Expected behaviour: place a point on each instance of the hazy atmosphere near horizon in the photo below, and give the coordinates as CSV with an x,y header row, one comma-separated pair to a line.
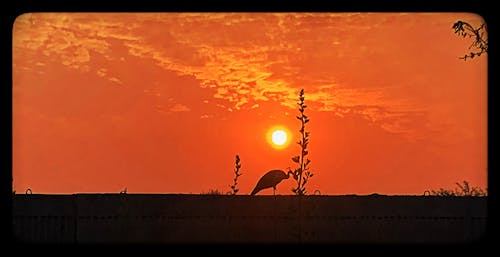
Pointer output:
x,y
163,102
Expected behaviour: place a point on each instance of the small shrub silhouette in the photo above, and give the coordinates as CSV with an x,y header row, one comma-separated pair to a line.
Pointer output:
x,y
462,190
302,174
234,189
213,192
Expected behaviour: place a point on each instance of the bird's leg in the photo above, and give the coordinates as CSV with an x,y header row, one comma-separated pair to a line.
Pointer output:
x,y
274,190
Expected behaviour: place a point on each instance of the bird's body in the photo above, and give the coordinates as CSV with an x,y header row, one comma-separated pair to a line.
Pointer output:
x,y
270,179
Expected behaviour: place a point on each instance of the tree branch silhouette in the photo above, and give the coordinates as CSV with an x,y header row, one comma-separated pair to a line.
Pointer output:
x,y
480,35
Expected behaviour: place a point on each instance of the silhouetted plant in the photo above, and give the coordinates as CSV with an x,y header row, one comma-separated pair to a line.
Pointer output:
x,y
236,175
462,190
213,192
302,173
480,35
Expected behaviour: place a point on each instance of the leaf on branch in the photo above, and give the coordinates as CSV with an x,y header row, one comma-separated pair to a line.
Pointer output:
x,y
296,159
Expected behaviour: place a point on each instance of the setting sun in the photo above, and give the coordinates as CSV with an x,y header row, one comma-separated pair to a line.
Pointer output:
x,y
279,137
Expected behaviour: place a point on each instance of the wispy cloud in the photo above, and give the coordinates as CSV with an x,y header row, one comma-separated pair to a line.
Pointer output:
x,y
101,72
115,80
246,59
179,108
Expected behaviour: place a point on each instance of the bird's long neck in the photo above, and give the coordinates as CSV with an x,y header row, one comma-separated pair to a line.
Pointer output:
x,y
288,173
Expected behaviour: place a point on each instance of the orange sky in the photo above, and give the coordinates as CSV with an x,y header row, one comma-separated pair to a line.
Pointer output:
x,y
162,102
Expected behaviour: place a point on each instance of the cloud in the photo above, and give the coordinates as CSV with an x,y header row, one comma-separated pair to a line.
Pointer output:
x,y
70,37
101,72
246,59
239,72
179,108
115,80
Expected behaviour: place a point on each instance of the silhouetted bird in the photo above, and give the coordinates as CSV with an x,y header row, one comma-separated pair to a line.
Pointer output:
x,y
271,179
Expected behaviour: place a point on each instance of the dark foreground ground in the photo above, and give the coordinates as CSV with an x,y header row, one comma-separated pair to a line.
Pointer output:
x,y
169,218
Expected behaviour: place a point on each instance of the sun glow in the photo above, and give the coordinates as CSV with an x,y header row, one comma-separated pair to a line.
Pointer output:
x,y
278,137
